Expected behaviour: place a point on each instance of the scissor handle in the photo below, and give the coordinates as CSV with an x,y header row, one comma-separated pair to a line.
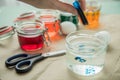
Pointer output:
x,y
15,59
26,65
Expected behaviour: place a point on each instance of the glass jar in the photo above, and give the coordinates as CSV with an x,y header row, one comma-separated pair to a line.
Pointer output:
x,y
51,20
92,13
6,32
64,16
31,35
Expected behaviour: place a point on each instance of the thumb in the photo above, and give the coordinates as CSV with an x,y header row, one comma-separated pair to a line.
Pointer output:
x,y
65,7
83,4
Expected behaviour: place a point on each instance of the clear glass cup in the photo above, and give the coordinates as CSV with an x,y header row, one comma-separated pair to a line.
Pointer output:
x,y
31,36
92,13
85,53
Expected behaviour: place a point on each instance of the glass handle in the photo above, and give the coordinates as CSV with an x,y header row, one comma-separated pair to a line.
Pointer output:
x,y
104,35
46,42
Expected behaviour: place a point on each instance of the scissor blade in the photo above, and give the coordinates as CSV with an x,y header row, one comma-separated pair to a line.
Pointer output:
x,y
55,53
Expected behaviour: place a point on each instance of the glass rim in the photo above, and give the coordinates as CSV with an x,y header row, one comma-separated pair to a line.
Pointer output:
x,y
6,29
36,30
47,19
52,12
85,35
93,3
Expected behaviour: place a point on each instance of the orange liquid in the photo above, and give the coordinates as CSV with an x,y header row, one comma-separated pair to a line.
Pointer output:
x,y
53,28
92,15
51,24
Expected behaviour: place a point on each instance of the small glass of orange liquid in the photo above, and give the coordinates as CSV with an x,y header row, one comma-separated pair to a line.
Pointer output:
x,y
92,14
50,19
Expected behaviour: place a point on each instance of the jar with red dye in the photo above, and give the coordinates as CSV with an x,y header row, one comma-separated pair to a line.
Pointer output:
x,y
31,36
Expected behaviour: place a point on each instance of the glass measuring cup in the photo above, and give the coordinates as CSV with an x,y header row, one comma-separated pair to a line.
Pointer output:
x,y
85,52
31,35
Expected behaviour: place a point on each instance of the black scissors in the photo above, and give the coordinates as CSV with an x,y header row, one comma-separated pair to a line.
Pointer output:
x,y
24,62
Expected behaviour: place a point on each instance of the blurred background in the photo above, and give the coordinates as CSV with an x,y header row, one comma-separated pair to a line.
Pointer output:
x,y
10,9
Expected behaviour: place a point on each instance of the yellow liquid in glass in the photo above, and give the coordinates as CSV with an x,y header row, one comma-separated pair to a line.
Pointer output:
x,y
92,14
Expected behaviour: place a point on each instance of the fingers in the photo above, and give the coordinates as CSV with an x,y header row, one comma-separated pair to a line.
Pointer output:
x,y
69,8
83,4
54,4
65,7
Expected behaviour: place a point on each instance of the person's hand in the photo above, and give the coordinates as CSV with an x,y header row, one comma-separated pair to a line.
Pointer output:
x,y
54,4
67,7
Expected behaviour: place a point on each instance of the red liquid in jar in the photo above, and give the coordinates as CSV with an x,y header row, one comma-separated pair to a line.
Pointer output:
x,y
31,43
